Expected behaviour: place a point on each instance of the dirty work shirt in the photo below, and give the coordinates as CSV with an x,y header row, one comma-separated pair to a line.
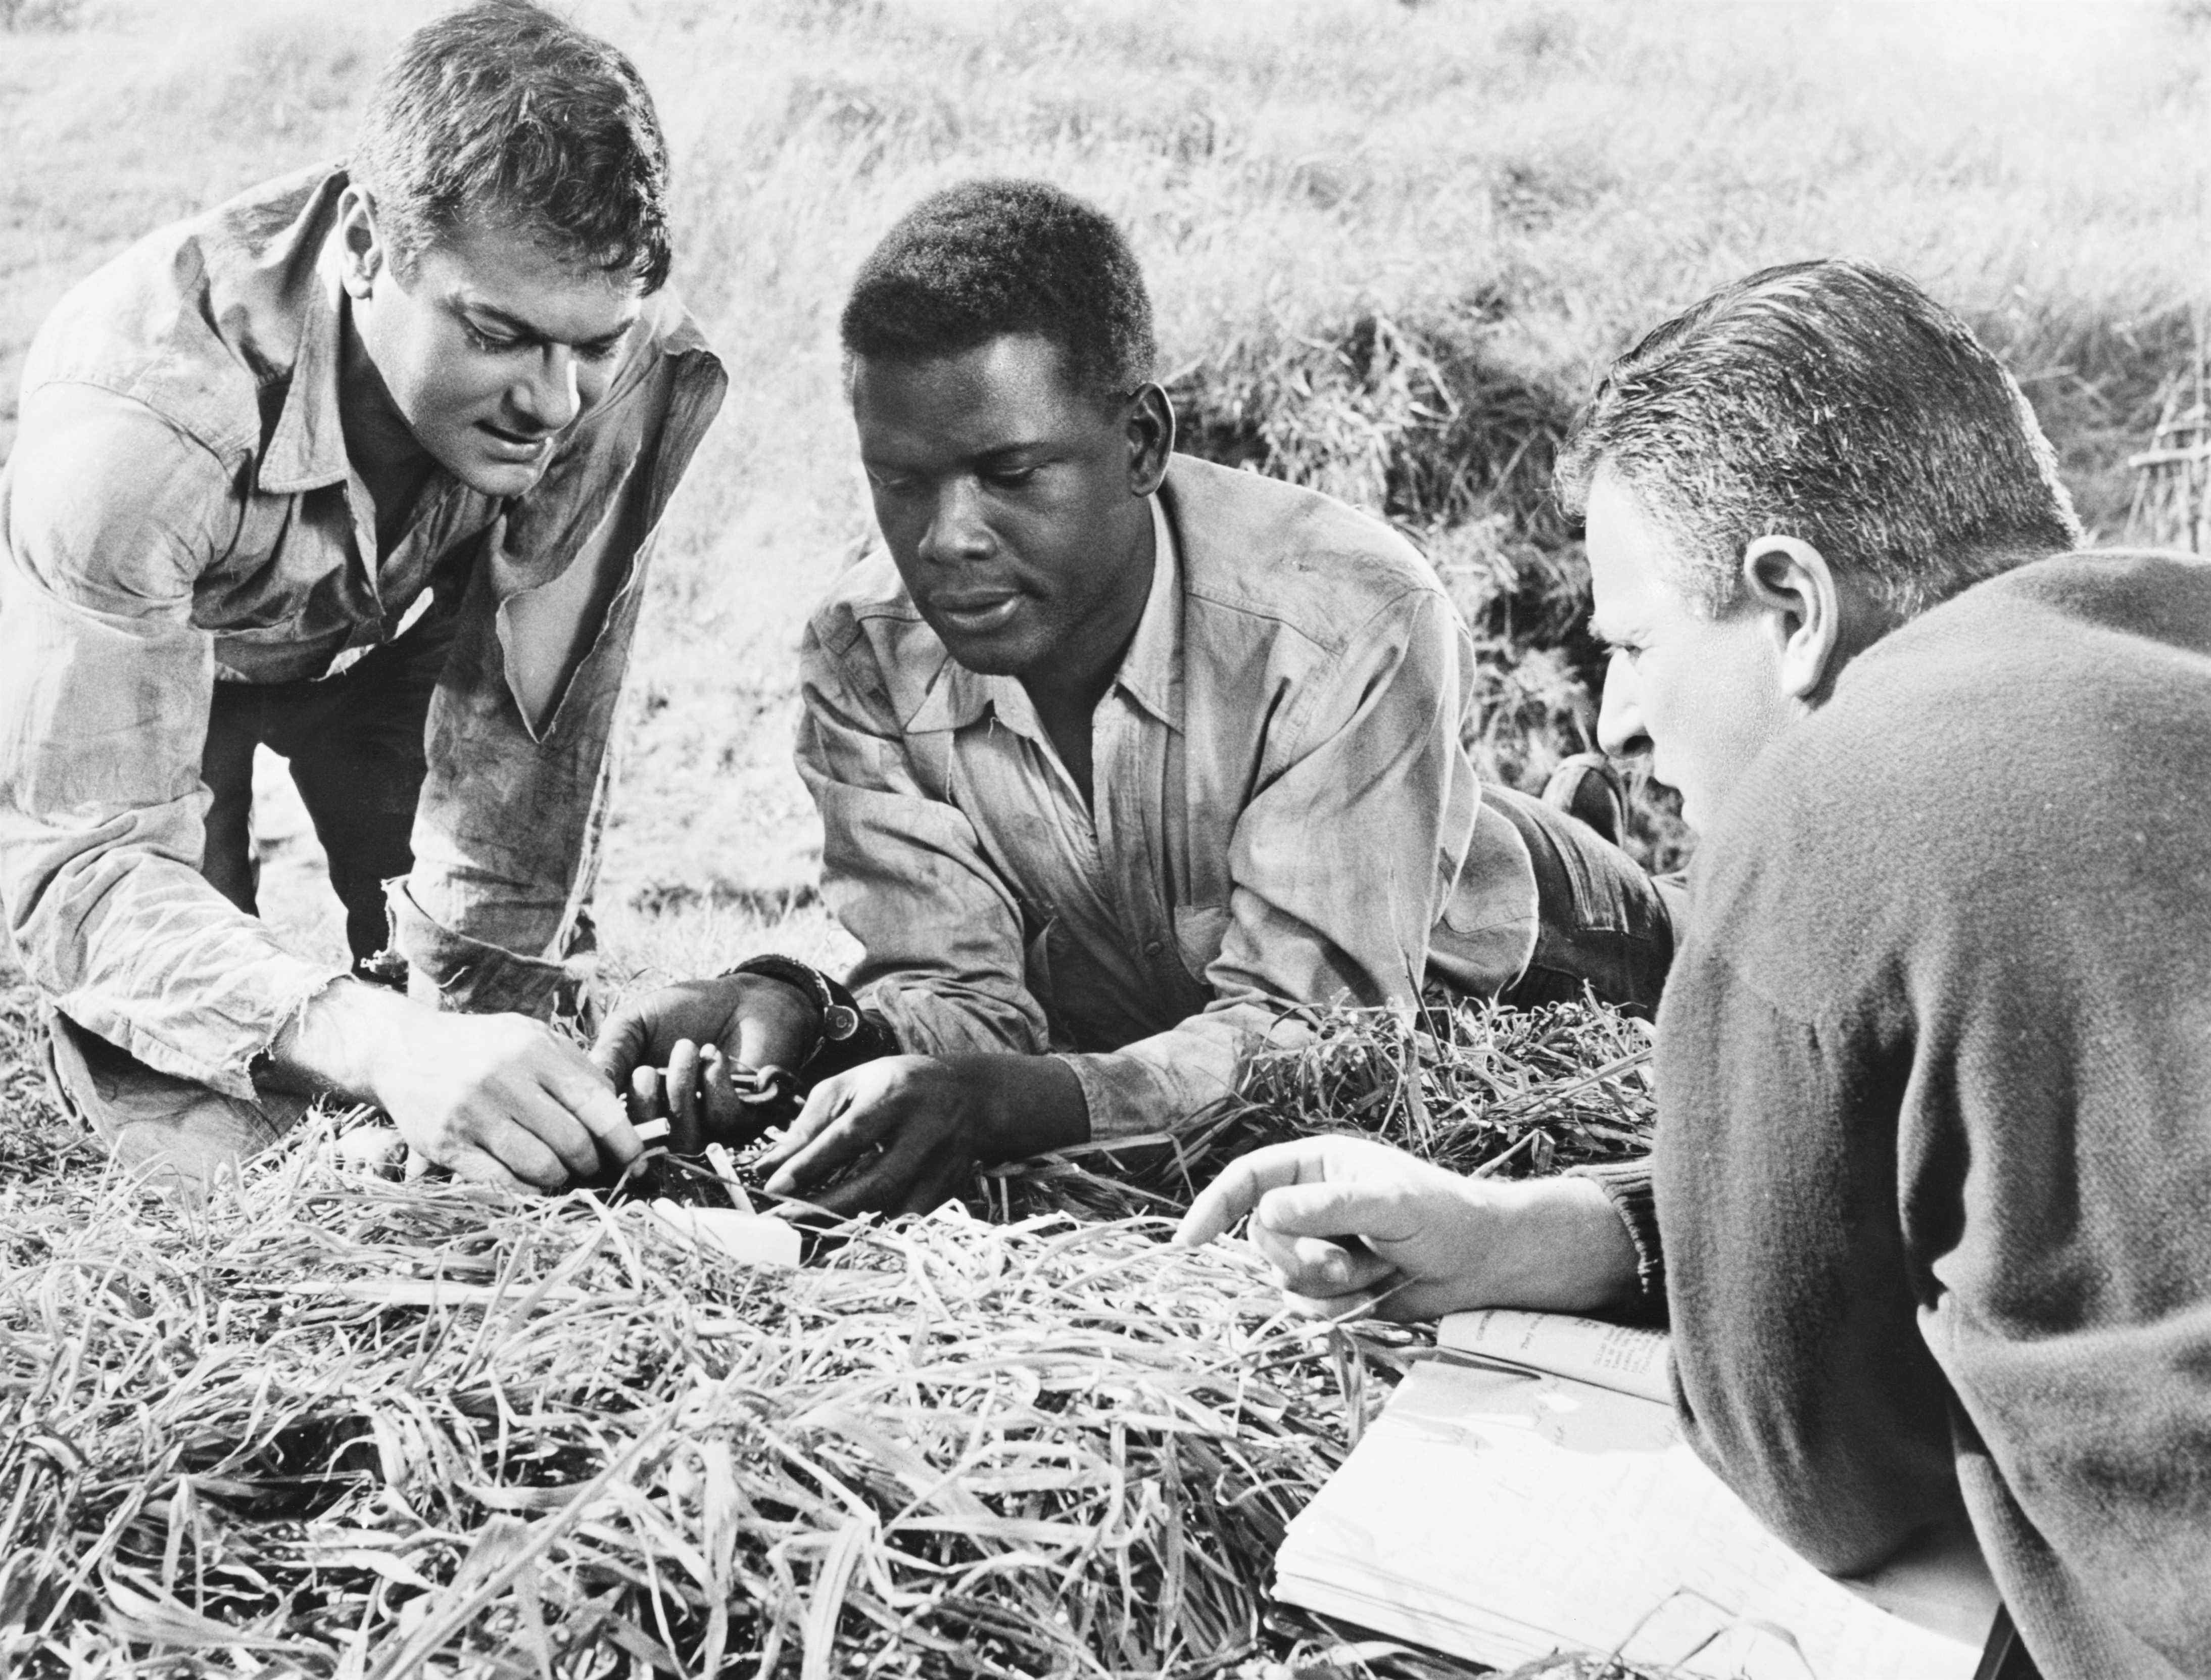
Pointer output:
x,y
1285,809
1933,1167
179,511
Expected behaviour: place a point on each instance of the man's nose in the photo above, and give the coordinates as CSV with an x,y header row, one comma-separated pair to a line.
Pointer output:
x,y
1619,729
958,531
553,395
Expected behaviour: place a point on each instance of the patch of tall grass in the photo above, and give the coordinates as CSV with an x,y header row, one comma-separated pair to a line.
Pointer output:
x,y
1390,244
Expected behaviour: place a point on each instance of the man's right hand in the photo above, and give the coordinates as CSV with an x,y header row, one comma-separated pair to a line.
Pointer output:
x,y
755,1021
503,1098
1349,1223
500,1098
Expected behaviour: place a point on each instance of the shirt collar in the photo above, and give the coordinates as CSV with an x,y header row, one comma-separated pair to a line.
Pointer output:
x,y
307,449
1150,673
1151,670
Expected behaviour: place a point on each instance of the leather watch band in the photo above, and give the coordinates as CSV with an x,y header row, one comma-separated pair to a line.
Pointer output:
x,y
839,1012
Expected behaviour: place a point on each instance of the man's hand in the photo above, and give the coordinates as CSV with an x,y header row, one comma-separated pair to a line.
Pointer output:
x,y
1346,1221
504,1099
752,1021
935,1122
500,1098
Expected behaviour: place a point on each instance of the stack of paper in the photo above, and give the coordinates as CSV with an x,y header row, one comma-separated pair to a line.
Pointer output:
x,y
1504,1513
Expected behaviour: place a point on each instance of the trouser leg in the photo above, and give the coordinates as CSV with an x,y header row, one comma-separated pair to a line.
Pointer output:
x,y
1602,922
227,859
354,744
360,790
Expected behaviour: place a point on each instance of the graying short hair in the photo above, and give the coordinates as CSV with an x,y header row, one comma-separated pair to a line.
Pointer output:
x,y
1836,402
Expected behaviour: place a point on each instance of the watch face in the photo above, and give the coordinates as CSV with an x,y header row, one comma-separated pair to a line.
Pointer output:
x,y
838,1022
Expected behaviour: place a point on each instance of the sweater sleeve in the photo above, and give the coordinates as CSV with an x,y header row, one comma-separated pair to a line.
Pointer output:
x,y
1626,1185
1800,1373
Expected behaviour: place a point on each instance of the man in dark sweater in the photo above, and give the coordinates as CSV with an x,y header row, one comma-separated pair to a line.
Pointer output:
x,y
1927,1203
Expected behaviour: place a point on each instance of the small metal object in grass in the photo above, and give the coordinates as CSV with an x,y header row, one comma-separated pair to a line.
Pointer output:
x,y
700,1098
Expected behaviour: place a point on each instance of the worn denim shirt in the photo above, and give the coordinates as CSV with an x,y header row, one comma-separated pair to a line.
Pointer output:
x,y
1285,809
179,511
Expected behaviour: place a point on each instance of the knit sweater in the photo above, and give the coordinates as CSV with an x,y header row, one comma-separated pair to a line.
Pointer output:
x,y
1933,1169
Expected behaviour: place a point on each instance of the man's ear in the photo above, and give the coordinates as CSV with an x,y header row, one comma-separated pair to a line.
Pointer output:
x,y
1151,438
1790,580
362,253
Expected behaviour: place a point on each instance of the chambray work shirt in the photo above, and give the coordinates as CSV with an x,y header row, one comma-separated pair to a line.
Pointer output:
x,y
179,511
1285,809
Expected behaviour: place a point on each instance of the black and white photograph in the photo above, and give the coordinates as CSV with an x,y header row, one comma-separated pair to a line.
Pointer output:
x,y
956,840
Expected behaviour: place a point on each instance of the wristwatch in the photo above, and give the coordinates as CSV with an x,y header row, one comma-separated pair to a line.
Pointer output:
x,y
841,1011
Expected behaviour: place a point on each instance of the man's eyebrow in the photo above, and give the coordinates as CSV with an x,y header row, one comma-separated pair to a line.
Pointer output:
x,y
529,330
1017,447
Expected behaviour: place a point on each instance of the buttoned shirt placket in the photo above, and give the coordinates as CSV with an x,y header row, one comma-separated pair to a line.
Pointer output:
x,y
1109,893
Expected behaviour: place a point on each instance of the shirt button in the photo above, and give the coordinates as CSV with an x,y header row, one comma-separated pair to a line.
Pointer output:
x,y
1153,948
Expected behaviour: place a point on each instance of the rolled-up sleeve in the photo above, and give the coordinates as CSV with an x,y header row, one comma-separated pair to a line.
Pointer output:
x,y
904,872
1339,865
108,516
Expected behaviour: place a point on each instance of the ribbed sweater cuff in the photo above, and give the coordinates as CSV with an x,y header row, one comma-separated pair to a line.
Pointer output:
x,y
1626,1186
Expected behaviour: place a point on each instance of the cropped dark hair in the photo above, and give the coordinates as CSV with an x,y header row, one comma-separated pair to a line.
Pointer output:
x,y
502,115
1835,403
988,258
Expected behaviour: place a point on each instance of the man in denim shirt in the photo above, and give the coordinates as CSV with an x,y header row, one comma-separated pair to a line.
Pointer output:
x,y
362,465
1123,759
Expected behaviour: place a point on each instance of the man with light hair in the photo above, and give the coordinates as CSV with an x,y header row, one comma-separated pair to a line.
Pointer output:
x,y
1926,1207
361,466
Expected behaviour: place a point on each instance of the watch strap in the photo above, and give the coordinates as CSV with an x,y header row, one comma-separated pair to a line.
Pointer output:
x,y
838,1020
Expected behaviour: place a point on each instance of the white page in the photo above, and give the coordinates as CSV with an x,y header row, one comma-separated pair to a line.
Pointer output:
x,y
1501,1516
1616,1356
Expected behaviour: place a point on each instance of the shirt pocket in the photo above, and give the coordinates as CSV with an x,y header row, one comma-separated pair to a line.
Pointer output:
x,y
1199,930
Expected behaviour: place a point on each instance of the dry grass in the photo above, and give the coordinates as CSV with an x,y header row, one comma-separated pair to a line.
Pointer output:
x,y
1470,1086
2173,491
363,1428
328,1425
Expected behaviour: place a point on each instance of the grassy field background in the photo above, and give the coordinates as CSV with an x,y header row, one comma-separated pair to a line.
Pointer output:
x,y
1389,245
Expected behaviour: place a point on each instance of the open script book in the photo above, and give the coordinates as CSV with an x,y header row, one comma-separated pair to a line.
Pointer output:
x,y
1530,1493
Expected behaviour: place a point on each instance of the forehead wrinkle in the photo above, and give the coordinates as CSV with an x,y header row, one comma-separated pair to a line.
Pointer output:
x,y
934,448
968,424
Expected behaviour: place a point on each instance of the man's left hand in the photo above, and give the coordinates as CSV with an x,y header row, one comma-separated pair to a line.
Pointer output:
x,y
935,1122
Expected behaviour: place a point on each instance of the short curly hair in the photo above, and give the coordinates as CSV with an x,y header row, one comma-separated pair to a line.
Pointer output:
x,y
1837,403
989,257
502,115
